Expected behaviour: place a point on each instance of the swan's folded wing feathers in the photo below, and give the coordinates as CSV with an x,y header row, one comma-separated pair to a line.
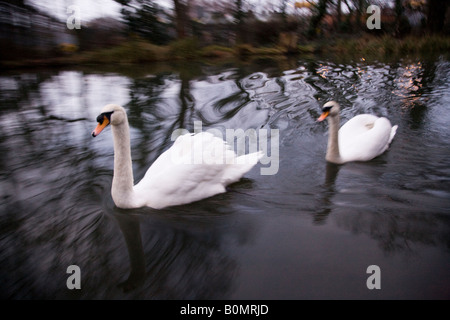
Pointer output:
x,y
366,144
393,132
357,125
183,183
210,166
240,166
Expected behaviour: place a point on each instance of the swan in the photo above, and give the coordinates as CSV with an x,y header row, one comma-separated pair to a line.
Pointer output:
x,y
195,167
362,138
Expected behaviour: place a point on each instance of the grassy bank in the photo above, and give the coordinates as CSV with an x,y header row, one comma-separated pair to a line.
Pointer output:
x,y
387,46
132,52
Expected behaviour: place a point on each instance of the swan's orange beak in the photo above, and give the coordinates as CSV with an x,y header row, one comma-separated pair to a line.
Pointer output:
x,y
100,126
323,115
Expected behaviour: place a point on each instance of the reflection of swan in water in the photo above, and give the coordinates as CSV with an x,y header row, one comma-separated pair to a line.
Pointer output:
x,y
131,230
328,192
362,138
173,259
195,167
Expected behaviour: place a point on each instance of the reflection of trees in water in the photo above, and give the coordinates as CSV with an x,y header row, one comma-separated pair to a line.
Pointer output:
x,y
18,88
385,89
49,213
51,219
52,183
50,190
397,219
399,232
388,89
244,97
411,83
348,81
156,110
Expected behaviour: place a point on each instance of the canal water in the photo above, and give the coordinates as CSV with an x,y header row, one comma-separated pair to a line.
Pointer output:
x,y
307,230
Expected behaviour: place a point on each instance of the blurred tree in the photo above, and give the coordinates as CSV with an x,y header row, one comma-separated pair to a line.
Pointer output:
x,y
239,16
180,17
100,33
319,10
350,15
339,14
283,7
436,15
147,19
19,3
402,25
360,10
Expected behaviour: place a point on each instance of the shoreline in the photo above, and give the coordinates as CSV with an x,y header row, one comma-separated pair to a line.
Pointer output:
x,y
136,51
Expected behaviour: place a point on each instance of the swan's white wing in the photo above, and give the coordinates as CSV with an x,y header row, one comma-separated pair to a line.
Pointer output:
x,y
195,167
357,125
364,137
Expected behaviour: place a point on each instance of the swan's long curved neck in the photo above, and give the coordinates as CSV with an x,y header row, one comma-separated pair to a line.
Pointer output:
x,y
122,184
333,154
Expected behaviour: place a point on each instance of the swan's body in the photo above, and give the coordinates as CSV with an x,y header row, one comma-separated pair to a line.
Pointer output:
x,y
362,138
195,167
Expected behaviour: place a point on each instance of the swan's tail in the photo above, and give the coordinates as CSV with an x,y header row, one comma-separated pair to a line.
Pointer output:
x,y
393,131
249,159
241,166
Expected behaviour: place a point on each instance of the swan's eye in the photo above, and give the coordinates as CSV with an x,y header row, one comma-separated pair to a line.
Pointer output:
x,y
326,109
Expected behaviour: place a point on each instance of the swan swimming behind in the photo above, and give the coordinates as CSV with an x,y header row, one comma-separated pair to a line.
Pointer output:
x,y
362,138
195,167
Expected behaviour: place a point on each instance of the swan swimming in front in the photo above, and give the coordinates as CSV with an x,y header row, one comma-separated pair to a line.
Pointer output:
x,y
173,179
362,138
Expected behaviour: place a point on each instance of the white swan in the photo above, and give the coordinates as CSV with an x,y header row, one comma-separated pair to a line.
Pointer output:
x,y
362,138
195,167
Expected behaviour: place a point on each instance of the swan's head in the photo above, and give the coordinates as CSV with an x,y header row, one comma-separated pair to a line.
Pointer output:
x,y
331,108
111,114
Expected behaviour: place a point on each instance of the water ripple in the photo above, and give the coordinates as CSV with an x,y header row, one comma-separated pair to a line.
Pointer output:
x,y
55,180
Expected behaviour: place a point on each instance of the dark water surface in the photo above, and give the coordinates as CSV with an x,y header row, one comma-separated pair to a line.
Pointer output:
x,y
310,231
